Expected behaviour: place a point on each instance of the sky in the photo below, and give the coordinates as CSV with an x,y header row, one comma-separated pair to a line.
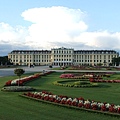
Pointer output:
x,y
47,24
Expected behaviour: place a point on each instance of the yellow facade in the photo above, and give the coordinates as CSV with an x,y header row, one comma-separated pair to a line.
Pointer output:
x,y
62,57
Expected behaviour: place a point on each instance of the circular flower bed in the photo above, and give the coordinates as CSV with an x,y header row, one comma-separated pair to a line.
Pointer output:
x,y
17,88
75,83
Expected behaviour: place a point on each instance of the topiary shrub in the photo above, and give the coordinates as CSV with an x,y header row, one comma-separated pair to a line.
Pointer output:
x,y
17,88
77,84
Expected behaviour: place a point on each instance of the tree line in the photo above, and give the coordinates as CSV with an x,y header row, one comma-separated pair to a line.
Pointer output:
x,y
116,61
5,61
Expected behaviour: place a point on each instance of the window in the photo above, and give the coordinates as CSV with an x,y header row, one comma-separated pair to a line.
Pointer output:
x,y
90,56
104,56
97,56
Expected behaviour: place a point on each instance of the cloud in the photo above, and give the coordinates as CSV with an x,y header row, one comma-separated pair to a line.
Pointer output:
x,y
12,34
53,27
54,24
100,39
11,38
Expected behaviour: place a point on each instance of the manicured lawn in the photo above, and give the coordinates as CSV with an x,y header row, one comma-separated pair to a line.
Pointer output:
x,y
14,107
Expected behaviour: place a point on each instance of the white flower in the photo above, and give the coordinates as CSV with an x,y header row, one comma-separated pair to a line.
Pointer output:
x,y
55,96
45,95
107,105
86,102
50,96
69,99
94,103
75,100
100,104
80,101
64,99
42,94
58,98
39,93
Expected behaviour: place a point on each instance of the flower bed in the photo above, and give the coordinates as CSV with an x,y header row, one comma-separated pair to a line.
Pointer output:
x,y
17,88
21,81
91,77
105,81
87,75
74,76
75,83
67,76
77,103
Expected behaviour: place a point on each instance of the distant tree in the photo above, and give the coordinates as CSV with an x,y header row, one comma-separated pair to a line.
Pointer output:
x,y
110,64
19,72
116,61
5,61
99,64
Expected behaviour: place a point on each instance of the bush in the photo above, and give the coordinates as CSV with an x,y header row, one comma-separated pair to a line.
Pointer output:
x,y
76,84
17,88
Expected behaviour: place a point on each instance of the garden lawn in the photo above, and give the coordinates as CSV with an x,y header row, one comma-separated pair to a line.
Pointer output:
x,y
14,107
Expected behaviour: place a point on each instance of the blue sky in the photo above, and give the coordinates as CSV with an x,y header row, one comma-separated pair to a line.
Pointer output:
x,y
46,24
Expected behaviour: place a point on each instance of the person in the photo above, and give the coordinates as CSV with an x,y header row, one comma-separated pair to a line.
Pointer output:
x,y
33,65
43,71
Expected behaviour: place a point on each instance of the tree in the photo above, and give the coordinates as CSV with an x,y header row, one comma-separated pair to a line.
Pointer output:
x,y
116,61
19,72
5,61
99,64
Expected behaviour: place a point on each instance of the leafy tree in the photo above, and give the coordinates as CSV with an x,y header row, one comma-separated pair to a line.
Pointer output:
x,y
99,64
110,64
116,61
19,72
5,61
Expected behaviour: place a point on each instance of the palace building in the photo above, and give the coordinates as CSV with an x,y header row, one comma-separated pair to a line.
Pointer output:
x,y
62,56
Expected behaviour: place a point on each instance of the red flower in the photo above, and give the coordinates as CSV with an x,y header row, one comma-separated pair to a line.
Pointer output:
x,y
87,105
112,109
103,108
80,104
118,110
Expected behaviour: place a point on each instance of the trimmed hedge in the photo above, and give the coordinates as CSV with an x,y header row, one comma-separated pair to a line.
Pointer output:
x,y
17,88
75,83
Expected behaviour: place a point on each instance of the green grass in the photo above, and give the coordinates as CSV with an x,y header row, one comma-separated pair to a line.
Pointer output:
x,y
14,107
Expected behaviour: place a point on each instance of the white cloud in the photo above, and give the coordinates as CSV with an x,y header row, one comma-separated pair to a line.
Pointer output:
x,y
54,24
100,39
11,34
56,27
11,38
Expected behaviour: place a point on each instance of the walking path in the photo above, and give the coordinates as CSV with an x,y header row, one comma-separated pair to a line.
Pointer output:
x,y
10,71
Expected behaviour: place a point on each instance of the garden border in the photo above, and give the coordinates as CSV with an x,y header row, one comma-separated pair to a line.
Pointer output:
x,y
75,86
72,107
